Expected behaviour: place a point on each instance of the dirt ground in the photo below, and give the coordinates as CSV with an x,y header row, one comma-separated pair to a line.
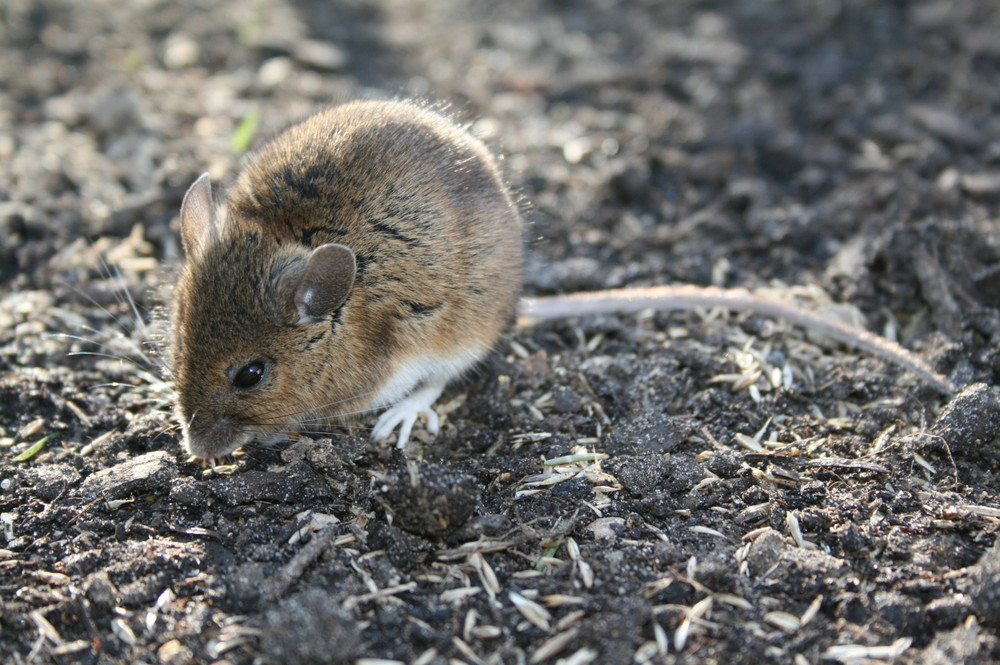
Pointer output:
x,y
661,488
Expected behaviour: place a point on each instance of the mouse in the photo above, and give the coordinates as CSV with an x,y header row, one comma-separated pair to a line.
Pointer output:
x,y
362,260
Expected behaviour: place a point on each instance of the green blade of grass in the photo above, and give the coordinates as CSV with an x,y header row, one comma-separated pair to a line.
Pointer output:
x,y
245,131
33,450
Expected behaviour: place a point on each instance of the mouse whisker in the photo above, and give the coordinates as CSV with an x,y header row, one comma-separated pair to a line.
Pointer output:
x,y
315,411
337,418
279,414
119,334
121,327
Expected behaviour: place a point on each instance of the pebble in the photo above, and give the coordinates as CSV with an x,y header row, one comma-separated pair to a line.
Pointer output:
x,y
765,551
684,472
970,421
48,481
605,528
964,644
320,55
946,124
981,183
985,589
297,483
145,473
274,71
180,51
100,590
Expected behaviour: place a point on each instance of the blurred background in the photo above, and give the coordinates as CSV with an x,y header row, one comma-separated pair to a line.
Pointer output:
x,y
704,141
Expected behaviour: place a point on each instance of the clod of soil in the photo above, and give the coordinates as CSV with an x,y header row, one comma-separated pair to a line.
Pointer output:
x,y
428,499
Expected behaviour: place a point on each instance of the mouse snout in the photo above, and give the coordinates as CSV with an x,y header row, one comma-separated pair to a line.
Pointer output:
x,y
215,439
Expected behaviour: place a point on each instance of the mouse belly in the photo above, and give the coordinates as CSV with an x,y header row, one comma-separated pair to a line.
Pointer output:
x,y
414,387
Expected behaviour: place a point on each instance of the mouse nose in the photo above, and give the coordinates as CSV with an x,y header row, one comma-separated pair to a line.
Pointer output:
x,y
212,440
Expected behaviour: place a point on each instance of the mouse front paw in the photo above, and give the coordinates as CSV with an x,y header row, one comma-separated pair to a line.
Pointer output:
x,y
405,414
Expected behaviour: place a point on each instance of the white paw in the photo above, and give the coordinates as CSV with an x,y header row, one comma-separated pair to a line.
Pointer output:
x,y
405,414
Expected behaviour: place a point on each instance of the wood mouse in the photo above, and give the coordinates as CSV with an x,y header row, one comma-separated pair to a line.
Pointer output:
x,y
363,259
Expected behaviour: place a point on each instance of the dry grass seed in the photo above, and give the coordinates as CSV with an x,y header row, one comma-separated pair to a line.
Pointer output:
x,y
748,442
486,574
783,621
459,595
553,646
562,600
583,656
811,611
536,615
860,653
698,611
466,650
426,658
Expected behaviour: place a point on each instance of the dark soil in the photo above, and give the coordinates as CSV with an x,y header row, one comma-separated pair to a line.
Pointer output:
x,y
757,495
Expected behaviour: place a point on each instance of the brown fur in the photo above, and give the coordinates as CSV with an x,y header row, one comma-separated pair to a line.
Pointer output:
x,y
438,247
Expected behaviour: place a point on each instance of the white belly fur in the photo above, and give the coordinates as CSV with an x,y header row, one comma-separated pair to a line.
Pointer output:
x,y
413,372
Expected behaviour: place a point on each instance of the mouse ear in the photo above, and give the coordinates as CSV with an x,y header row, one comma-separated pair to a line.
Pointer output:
x,y
198,216
327,282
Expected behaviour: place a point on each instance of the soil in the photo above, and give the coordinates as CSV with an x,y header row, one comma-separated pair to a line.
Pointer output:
x,y
690,487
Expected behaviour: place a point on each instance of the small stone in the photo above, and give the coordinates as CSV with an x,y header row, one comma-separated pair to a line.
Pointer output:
x,y
186,491
949,611
146,473
982,183
724,463
904,613
985,591
808,572
173,652
320,55
606,528
247,581
116,110
765,551
297,483
100,590
274,72
971,420
48,481
963,645
575,149
852,539
565,400
574,489
946,124
488,526
180,51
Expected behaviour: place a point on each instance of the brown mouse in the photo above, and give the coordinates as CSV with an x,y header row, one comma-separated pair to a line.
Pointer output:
x,y
365,258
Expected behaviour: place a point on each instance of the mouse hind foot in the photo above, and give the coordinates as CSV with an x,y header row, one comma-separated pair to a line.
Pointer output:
x,y
405,413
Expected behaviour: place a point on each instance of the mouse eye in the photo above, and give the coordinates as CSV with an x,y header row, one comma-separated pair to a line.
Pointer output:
x,y
249,375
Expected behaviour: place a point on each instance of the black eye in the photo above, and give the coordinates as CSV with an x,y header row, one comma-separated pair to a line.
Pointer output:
x,y
249,375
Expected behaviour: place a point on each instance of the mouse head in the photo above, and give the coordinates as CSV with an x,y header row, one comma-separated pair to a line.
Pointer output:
x,y
251,317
